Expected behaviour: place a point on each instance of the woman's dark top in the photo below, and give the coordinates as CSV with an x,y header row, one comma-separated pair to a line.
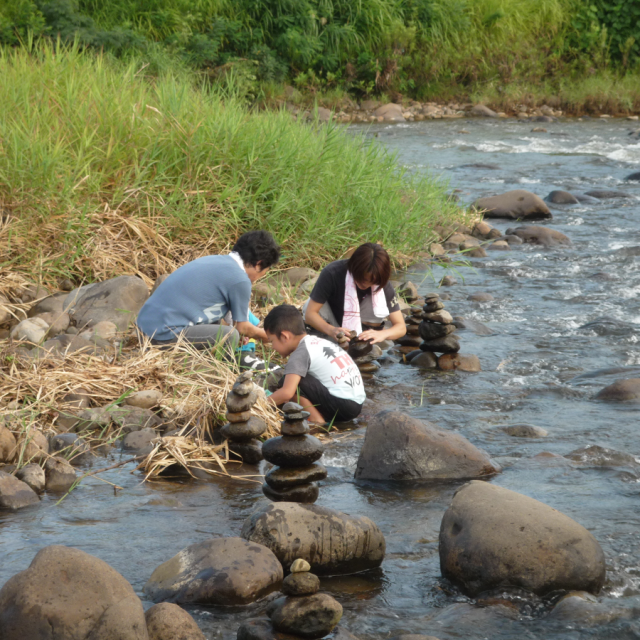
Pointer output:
x,y
330,287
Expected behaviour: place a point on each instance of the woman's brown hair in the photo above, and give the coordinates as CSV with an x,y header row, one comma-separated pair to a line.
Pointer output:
x,y
370,262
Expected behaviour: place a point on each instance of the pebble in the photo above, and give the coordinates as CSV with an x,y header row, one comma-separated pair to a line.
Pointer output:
x,y
299,565
146,399
292,451
480,297
448,281
358,348
312,616
372,367
241,416
299,415
442,316
304,493
243,388
301,584
430,330
292,407
32,475
294,428
430,307
250,452
448,344
283,478
237,404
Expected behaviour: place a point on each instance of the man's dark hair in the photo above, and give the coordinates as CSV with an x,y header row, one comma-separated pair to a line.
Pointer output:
x,y
284,317
257,247
370,262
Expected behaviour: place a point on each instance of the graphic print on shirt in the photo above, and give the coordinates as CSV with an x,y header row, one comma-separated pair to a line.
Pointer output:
x,y
213,312
335,369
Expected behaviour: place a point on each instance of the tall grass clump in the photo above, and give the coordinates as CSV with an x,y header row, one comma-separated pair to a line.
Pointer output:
x,y
96,160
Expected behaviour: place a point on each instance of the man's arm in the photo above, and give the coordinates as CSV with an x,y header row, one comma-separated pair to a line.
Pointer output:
x,y
287,391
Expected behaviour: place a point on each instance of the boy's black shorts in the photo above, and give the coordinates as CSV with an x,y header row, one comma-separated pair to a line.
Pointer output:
x,y
332,409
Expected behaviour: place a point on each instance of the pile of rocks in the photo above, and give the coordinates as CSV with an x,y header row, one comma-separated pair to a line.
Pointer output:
x,y
243,428
302,612
295,454
432,331
364,354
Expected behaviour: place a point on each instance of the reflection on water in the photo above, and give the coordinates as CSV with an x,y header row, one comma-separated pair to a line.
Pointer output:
x,y
566,323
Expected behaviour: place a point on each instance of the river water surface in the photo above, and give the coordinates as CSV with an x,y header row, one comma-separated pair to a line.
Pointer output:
x,y
540,367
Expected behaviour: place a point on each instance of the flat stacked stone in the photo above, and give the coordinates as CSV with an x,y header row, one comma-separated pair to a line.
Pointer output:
x,y
412,340
243,429
437,328
301,613
363,353
295,454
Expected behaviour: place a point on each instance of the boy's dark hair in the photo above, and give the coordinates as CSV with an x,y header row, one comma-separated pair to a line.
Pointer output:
x,y
370,262
257,247
284,317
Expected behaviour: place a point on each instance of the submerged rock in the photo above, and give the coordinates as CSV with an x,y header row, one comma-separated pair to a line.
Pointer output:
x,y
220,571
621,391
459,362
534,234
332,542
166,621
67,593
562,197
399,447
60,475
514,205
491,537
472,325
606,194
524,431
311,616
596,456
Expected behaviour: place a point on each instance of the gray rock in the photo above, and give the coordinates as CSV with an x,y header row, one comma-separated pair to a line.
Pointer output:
x,y
607,194
480,297
71,447
238,404
459,362
514,205
399,447
66,593
483,111
448,344
32,475
431,331
249,452
134,418
91,419
146,399
242,431
262,629
491,537
621,391
7,445
220,571
57,323
596,456
442,317
60,475
525,431
297,275
304,583
634,177
544,236
610,327
513,240
292,451
279,479
15,494
311,616
66,343
52,304
117,300
303,493
31,330
424,360
332,542
139,440
390,112
166,621
561,197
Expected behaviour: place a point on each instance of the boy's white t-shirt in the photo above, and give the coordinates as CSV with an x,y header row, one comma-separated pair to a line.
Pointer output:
x,y
331,365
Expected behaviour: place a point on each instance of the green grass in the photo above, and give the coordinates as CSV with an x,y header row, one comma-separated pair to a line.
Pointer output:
x,y
103,172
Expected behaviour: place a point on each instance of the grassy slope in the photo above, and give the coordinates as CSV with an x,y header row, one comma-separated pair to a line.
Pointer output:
x,y
104,172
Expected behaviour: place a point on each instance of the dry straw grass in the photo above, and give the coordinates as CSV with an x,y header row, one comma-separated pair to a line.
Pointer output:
x,y
194,385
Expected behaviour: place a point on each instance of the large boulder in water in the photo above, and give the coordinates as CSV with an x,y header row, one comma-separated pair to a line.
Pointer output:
x,y
533,234
67,593
168,621
514,205
332,542
220,571
621,391
493,538
391,112
117,300
399,447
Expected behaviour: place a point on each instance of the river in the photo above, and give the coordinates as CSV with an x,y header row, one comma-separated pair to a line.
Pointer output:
x,y
534,368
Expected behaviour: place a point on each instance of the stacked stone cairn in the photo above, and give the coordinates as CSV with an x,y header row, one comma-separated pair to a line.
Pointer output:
x,y
243,428
295,454
437,328
364,354
301,613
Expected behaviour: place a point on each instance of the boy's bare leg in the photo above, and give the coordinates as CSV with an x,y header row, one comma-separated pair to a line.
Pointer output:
x,y
315,416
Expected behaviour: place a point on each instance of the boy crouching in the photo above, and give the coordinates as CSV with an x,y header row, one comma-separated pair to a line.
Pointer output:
x,y
319,374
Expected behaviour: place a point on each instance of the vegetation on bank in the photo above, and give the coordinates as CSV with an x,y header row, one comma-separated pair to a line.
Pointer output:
x,y
104,172
498,50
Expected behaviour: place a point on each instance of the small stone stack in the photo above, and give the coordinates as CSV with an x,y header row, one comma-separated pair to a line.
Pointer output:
x,y
295,452
243,428
303,611
364,354
412,340
437,330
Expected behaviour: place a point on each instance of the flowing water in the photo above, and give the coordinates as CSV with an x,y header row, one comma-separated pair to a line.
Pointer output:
x,y
540,367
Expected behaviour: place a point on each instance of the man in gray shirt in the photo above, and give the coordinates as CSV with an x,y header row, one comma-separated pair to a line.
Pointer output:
x,y
194,299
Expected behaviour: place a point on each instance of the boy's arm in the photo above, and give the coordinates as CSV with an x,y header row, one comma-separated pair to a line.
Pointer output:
x,y
287,391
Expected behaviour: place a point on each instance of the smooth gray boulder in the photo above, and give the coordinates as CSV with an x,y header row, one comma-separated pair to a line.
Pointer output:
x,y
8,445
534,234
166,621
117,300
391,112
621,391
332,542
32,475
561,197
493,538
15,494
399,447
60,475
633,177
220,571
607,194
482,111
67,594
514,205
